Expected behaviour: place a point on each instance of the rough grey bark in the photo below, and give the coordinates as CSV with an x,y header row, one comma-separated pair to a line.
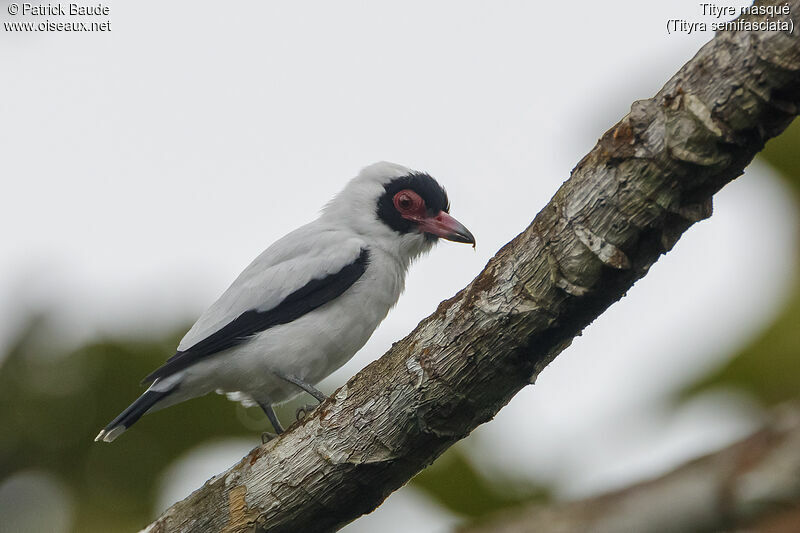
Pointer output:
x,y
627,202
752,485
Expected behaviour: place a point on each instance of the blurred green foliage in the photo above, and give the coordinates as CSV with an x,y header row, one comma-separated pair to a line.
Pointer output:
x,y
768,367
783,154
453,482
54,405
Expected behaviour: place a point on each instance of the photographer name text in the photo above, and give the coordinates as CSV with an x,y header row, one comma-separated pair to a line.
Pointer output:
x,y
63,10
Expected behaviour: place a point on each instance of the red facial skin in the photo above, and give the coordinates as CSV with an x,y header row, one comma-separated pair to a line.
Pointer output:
x,y
412,207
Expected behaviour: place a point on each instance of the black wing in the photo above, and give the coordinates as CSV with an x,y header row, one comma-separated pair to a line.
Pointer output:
x,y
313,294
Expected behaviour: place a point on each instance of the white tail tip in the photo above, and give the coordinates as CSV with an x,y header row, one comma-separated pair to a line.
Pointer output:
x,y
108,436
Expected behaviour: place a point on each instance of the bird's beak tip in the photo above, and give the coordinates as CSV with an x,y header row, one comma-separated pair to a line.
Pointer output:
x,y
446,227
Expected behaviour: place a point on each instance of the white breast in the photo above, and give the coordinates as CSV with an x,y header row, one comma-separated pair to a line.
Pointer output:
x,y
311,347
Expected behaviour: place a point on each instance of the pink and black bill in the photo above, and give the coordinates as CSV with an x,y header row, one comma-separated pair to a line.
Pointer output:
x,y
417,203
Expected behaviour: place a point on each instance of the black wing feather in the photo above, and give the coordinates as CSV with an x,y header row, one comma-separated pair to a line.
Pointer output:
x,y
312,295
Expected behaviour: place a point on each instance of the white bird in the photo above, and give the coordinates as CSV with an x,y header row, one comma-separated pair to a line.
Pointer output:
x,y
310,301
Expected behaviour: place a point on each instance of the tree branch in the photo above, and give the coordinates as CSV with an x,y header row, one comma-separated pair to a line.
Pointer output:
x,y
627,202
743,487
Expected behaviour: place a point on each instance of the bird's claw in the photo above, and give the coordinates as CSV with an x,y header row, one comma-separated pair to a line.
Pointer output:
x,y
267,436
304,411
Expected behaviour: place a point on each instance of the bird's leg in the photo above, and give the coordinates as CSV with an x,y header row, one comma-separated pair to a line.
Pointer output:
x,y
273,419
308,387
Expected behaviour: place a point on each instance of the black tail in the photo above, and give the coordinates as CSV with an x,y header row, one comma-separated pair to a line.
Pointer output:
x,y
130,415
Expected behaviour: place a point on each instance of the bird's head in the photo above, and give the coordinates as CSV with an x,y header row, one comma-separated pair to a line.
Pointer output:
x,y
398,208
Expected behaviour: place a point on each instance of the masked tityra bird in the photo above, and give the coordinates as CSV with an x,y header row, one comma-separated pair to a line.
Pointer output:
x,y
309,302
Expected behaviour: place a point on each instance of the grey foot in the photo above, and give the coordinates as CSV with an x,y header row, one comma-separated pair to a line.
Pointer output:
x,y
267,436
273,418
308,387
304,410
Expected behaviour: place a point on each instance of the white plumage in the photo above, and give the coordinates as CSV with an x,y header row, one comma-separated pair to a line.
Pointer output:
x,y
311,300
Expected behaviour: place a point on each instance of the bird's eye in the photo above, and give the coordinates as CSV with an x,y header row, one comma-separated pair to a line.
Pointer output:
x,y
407,201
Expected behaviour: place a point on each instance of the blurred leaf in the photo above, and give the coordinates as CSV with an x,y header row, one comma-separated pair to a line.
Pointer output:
x,y
453,483
783,154
54,405
769,366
